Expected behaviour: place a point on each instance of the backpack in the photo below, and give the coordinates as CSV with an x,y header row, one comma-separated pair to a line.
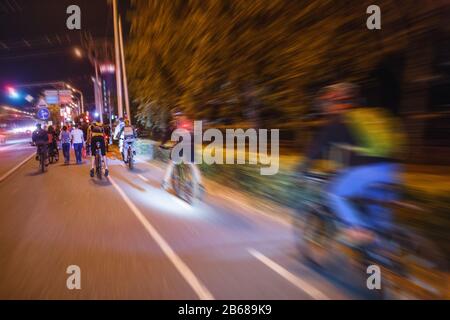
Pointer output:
x,y
96,129
377,132
128,132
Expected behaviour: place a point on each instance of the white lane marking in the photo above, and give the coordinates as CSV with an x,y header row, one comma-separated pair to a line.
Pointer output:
x,y
6,175
143,178
202,292
296,281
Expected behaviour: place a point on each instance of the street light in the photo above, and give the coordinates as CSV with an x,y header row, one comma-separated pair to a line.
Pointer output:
x,y
78,52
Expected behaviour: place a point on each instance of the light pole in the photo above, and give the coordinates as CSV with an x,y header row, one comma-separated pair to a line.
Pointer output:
x,y
99,91
125,81
117,56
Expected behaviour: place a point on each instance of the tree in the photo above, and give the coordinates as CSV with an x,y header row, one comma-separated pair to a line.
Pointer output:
x,y
267,55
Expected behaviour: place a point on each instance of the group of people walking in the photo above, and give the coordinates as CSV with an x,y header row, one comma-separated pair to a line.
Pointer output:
x,y
72,136
68,136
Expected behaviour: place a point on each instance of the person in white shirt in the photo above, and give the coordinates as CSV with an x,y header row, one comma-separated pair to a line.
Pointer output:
x,y
77,141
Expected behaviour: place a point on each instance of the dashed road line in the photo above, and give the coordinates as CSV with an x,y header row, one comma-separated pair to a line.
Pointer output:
x,y
293,279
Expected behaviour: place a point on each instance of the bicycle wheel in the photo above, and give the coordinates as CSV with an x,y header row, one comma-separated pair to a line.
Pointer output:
x,y
130,159
176,180
189,186
98,162
423,269
315,234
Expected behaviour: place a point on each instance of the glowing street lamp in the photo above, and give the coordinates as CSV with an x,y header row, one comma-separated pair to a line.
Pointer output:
x,y
78,52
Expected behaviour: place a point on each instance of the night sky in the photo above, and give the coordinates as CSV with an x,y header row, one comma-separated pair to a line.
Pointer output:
x,y
36,46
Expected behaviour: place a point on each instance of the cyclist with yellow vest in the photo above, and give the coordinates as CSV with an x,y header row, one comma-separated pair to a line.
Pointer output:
x,y
370,139
96,133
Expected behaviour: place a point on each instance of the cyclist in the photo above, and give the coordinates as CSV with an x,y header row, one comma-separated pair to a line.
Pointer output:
x,y
117,130
40,139
96,134
181,121
368,135
127,136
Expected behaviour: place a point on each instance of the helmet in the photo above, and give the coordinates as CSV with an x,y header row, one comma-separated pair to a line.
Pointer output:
x,y
337,97
343,92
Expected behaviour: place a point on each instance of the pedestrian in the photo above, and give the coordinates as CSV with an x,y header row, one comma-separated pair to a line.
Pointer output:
x,y
78,142
65,140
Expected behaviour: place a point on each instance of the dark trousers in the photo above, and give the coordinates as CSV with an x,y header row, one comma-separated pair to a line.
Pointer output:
x,y
66,151
78,147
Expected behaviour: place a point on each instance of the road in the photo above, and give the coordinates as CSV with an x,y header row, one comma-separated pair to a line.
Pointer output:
x,y
131,240
12,154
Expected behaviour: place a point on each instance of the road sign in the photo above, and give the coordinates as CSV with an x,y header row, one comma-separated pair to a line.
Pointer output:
x,y
58,96
42,104
52,99
43,114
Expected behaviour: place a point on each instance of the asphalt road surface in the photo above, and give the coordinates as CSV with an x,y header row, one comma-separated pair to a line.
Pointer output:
x,y
132,240
12,154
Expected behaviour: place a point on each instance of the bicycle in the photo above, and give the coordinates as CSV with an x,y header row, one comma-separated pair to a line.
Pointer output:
x,y
183,182
321,244
130,153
